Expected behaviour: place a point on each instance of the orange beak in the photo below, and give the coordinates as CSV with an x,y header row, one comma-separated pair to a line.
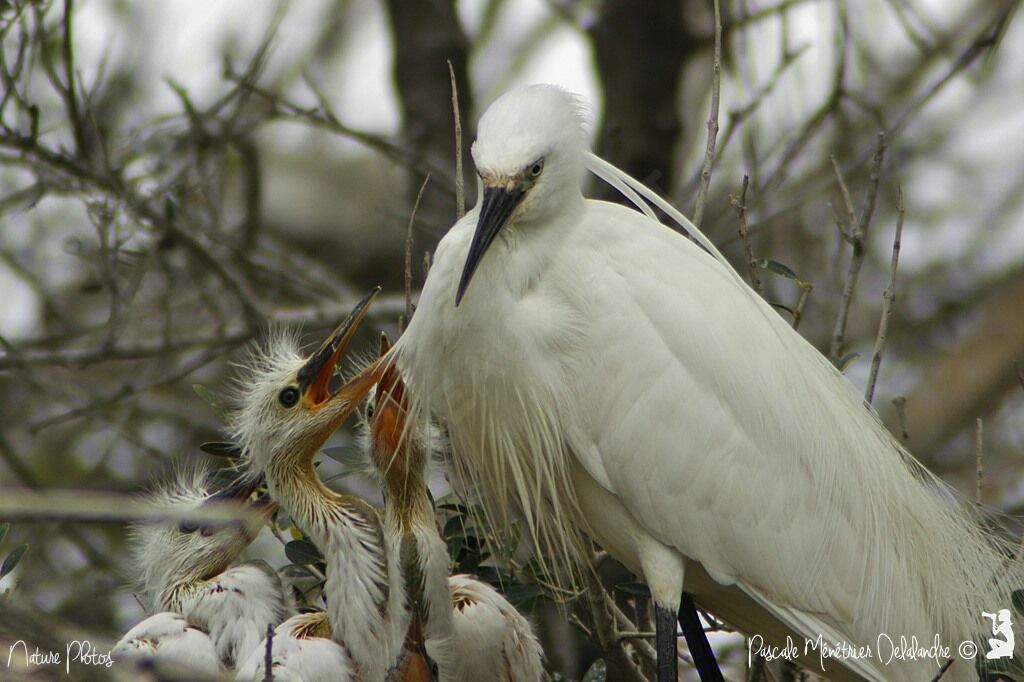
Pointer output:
x,y
389,405
315,376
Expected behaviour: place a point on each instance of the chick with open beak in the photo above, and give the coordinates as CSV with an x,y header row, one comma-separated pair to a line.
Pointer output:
x,y
286,411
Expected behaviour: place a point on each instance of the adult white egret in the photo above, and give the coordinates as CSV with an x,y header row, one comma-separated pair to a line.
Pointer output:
x,y
286,411
208,606
615,380
472,632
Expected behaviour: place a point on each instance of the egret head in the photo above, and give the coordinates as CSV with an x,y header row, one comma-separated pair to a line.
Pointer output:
x,y
529,156
400,451
178,553
286,408
393,452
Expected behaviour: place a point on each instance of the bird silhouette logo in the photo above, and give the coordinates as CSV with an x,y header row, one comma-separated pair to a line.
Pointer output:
x,y
1001,626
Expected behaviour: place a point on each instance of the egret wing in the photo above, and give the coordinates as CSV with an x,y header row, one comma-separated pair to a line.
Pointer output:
x,y
717,426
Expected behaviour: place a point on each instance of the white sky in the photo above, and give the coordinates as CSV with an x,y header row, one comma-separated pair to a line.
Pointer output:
x,y
184,41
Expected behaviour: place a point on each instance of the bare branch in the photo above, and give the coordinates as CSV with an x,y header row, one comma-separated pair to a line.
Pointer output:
x,y
858,230
460,187
408,248
709,152
979,457
888,299
90,506
740,204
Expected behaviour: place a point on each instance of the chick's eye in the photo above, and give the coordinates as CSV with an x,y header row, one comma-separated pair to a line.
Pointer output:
x,y
188,527
369,411
288,396
537,168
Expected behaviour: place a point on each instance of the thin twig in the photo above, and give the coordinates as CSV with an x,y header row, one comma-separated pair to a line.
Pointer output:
x,y
408,249
740,204
942,670
603,612
268,655
855,233
888,298
460,186
709,152
70,96
979,458
798,313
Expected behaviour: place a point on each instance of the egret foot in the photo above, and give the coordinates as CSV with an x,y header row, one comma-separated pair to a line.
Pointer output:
x,y
665,642
697,641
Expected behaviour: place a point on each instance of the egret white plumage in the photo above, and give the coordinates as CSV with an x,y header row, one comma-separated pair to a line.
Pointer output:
x,y
614,380
471,631
493,641
208,606
301,651
286,411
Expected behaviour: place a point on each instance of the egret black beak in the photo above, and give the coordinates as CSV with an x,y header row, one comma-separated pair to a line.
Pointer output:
x,y
495,209
315,376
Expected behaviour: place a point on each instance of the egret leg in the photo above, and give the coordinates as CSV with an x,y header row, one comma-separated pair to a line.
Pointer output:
x,y
665,641
697,641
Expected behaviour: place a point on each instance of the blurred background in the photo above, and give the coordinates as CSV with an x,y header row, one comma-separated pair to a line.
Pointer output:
x,y
176,175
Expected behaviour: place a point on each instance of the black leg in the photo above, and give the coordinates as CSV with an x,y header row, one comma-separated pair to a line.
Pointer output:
x,y
697,641
665,639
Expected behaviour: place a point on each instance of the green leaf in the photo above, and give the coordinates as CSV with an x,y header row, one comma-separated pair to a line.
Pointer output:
x,y
844,362
778,268
337,477
454,507
219,408
783,307
302,552
524,595
597,673
12,559
221,448
223,478
4,527
634,589
495,576
296,571
347,455
1016,598
454,527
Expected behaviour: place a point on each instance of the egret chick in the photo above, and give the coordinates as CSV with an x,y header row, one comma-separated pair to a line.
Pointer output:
x,y
286,411
472,632
614,380
186,571
301,651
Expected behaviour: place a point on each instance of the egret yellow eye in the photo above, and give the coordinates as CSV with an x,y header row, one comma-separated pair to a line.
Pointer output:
x,y
289,397
537,168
